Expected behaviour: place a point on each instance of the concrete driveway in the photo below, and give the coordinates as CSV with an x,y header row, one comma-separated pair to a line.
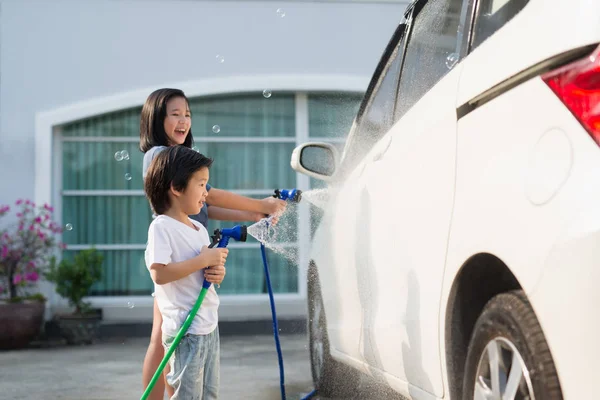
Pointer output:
x,y
111,370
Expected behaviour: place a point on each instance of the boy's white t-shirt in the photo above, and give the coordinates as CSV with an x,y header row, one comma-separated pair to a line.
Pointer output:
x,y
171,241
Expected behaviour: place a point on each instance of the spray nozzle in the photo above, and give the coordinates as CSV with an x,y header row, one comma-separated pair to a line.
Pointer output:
x,y
220,238
293,195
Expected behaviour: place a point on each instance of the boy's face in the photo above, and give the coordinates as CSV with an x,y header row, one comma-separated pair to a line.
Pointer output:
x,y
193,197
178,120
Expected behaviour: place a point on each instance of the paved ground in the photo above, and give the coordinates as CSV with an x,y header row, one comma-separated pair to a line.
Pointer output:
x,y
111,370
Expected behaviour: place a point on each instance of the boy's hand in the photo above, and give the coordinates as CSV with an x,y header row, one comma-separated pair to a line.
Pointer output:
x,y
272,206
215,275
215,256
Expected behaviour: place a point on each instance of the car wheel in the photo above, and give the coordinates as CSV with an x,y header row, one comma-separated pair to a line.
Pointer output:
x,y
508,357
331,378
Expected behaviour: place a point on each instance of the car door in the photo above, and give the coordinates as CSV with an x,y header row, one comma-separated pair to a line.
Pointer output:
x,y
342,276
407,203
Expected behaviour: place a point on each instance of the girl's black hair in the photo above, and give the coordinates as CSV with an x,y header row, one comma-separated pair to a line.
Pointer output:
x,y
152,119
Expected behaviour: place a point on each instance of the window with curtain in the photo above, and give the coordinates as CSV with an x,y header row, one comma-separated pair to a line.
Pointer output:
x,y
102,189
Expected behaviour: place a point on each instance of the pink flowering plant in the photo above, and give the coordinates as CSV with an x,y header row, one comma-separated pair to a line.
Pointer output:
x,y
26,250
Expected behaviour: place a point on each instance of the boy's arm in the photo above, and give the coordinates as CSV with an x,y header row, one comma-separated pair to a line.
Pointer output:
x,y
158,258
225,214
225,199
166,273
171,272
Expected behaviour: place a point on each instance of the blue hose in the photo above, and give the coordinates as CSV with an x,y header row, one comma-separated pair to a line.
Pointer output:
x,y
310,395
275,325
276,328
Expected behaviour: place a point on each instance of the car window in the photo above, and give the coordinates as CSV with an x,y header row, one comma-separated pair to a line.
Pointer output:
x,y
377,116
431,52
491,15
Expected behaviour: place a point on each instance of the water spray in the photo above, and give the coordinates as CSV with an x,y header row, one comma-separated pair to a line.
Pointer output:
x,y
220,239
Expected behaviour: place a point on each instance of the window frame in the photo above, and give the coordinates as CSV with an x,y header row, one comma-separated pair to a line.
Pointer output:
x,y
475,13
301,135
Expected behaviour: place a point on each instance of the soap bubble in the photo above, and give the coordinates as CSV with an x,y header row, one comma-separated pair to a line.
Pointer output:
x,y
451,60
281,12
267,93
125,154
119,156
69,227
195,148
128,176
220,59
216,129
130,304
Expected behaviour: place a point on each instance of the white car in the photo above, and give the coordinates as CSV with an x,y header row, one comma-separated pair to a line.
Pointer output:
x,y
459,252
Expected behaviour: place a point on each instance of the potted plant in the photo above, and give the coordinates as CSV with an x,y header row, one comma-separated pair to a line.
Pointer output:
x,y
26,248
74,279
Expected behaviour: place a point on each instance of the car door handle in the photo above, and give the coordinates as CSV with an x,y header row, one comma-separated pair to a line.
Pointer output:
x,y
381,153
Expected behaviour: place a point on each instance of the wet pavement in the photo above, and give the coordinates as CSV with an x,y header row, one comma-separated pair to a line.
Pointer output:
x,y
111,370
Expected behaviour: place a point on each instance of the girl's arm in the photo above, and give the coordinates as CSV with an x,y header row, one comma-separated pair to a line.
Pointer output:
x,y
226,214
225,199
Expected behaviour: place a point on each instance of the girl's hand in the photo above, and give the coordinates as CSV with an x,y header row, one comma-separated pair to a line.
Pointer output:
x,y
256,216
259,216
273,206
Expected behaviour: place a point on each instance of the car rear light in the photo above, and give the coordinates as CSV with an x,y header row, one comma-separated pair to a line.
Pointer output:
x,y
577,85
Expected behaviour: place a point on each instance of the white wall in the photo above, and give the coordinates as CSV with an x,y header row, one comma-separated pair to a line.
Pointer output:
x,y
58,52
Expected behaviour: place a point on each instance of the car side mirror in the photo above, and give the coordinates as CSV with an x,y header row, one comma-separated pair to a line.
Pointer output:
x,y
315,159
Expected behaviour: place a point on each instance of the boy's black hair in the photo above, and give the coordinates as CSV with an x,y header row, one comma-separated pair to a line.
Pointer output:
x,y
173,166
152,119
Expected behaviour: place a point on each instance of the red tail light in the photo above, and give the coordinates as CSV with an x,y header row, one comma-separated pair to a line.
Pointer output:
x,y
578,86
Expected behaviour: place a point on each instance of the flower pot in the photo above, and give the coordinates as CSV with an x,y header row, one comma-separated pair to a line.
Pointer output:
x,y
20,323
79,329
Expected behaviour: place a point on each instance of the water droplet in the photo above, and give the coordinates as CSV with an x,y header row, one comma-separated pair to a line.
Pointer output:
x,y
196,149
267,93
130,304
69,227
119,156
216,129
125,154
220,59
451,60
281,12
128,176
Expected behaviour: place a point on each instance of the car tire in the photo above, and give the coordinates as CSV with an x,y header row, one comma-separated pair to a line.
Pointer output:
x,y
331,378
507,334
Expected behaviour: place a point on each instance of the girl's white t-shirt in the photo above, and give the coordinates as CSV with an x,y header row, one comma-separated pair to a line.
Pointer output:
x,y
171,241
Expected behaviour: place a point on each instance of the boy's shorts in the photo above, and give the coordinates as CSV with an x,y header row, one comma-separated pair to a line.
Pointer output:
x,y
194,366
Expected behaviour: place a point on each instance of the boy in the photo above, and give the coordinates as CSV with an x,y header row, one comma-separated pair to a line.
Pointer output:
x,y
179,260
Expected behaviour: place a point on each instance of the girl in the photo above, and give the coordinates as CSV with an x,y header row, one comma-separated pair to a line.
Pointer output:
x,y
166,121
